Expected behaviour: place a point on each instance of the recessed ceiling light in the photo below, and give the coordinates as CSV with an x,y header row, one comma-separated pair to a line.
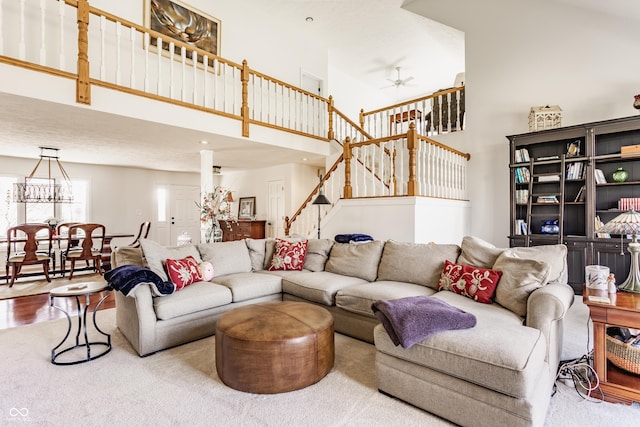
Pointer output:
x,y
304,159
204,142
309,19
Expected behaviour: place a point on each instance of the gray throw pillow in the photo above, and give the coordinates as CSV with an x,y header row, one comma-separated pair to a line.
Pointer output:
x,y
355,260
554,255
257,248
520,277
317,254
155,255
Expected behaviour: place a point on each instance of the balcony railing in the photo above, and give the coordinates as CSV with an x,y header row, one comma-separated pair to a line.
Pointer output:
x,y
387,154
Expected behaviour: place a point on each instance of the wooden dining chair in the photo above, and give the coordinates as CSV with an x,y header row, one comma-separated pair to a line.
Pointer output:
x,y
90,238
23,248
142,234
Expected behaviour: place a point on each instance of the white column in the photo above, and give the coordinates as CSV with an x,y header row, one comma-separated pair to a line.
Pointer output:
x,y
206,175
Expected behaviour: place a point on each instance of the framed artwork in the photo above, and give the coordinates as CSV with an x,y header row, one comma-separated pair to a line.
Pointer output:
x,y
247,208
181,22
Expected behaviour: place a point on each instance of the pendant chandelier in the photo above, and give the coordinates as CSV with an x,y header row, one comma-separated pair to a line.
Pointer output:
x,y
44,190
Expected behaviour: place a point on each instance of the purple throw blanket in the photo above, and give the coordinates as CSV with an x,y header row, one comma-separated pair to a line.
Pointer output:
x,y
412,319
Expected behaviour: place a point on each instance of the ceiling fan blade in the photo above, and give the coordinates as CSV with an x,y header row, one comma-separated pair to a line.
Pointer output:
x,y
408,79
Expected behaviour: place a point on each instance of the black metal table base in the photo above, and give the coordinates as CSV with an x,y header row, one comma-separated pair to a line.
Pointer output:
x,y
82,330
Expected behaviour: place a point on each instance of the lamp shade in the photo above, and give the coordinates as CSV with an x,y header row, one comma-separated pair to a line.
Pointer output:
x,y
321,200
625,223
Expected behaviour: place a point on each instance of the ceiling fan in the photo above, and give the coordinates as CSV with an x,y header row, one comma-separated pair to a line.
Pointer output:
x,y
399,81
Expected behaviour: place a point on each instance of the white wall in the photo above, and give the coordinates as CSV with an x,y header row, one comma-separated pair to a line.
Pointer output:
x,y
404,219
120,198
523,54
298,181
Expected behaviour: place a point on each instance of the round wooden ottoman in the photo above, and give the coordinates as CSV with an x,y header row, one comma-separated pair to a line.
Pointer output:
x,y
274,347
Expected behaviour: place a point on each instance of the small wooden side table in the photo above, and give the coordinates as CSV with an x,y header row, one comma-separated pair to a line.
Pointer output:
x,y
77,291
618,385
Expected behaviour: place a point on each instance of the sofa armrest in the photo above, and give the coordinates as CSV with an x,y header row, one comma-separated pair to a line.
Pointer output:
x,y
546,307
136,318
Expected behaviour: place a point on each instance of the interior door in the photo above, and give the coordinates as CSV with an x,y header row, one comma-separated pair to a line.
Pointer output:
x,y
184,215
275,222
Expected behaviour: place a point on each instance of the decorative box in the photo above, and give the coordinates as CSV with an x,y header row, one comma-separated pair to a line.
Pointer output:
x,y
546,117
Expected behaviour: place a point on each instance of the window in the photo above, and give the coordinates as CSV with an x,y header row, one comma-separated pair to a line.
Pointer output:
x,y
8,209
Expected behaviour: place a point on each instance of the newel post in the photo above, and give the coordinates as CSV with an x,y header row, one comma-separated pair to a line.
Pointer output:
x,y
244,111
83,86
412,146
330,134
362,118
348,191
287,226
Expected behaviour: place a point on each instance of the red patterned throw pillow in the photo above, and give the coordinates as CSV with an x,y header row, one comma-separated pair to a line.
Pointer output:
x,y
289,255
183,272
476,283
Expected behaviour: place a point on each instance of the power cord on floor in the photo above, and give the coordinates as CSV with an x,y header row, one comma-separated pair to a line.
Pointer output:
x,y
580,371
584,378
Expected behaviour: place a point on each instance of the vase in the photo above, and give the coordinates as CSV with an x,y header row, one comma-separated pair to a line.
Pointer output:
x,y
550,226
620,175
636,102
210,233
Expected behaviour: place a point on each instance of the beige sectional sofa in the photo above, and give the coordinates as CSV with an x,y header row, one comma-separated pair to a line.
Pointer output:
x,y
500,372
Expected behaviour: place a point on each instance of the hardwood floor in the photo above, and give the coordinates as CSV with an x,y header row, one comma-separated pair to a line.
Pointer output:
x,y
32,309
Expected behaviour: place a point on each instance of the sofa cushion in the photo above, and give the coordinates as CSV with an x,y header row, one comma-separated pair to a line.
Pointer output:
x,y
419,263
355,260
358,298
318,286
476,283
226,257
183,272
196,297
289,255
317,254
498,353
245,286
478,253
155,255
520,277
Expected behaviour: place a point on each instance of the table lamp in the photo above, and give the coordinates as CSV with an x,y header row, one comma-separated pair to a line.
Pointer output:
x,y
624,224
320,200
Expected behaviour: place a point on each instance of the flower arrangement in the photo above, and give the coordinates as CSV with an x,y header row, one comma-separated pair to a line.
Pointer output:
x,y
52,222
214,206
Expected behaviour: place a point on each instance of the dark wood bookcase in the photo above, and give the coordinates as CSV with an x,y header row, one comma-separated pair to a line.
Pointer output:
x,y
562,186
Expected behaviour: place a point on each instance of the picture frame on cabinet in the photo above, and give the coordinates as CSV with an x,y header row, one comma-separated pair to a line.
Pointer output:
x,y
165,16
247,208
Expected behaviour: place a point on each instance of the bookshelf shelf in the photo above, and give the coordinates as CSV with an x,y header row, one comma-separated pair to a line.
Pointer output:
x,y
585,190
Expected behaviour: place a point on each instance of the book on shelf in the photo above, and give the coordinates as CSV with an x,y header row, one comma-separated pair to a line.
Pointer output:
x,y
521,227
522,155
550,198
543,158
598,224
599,176
522,175
575,170
626,203
580,196
549,178
522,196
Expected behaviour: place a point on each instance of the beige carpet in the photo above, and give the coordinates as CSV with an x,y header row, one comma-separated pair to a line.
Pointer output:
x,y
180,386
24,287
